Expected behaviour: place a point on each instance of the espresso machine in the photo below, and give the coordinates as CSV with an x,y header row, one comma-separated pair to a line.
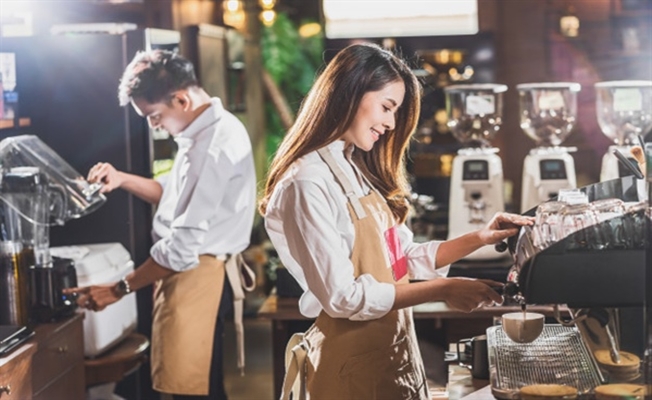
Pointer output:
x,y
476,190
547,115
624,111
37,189
599,272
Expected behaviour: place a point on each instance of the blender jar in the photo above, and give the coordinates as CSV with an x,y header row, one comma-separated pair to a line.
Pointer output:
x,y
548,111
475,112
37,189
75,197
624,110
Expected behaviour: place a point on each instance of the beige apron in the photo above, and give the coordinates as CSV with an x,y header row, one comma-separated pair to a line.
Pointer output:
x,y
376,359
185,310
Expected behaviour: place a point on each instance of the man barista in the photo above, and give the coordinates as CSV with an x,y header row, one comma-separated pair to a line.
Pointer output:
x,y
205,212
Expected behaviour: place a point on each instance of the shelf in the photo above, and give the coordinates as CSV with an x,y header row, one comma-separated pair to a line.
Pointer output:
x,y
10,123
616,54
633,14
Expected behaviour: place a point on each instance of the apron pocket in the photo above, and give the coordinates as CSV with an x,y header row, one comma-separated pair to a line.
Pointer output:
x,y
388,373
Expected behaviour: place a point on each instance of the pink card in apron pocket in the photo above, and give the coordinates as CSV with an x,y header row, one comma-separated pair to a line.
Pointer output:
x,y
396,255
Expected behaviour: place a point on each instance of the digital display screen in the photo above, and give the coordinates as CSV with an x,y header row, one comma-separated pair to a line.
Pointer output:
x,y
475,166
552,165
553,169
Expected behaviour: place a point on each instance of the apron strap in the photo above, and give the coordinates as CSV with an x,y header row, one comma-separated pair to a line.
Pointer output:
x,y
294,383
328,158
240,277
364,178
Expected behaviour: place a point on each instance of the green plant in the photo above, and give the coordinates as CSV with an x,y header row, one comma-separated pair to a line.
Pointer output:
x,y
292,61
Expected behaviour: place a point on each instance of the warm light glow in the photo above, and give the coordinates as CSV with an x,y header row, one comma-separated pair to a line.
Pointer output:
x,y
569,25
446,164
267,4
309,29
268,17
234,14
468,72
232,5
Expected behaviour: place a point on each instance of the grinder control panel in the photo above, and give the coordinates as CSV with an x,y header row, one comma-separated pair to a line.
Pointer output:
x,y
552,169
475,170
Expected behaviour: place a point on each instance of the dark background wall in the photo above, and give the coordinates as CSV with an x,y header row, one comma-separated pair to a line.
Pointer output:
x,y
526,39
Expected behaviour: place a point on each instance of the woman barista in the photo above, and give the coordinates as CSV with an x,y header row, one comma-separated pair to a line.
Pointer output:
x,y
335,205
205,211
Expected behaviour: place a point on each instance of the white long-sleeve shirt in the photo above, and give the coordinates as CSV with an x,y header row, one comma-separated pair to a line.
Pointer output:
x,y
311,229
209,199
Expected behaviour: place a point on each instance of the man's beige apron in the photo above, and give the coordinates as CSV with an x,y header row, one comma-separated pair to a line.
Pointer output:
x,y
375,359
185,312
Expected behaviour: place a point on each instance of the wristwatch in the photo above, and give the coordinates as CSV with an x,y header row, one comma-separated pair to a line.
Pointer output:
x,y
122,287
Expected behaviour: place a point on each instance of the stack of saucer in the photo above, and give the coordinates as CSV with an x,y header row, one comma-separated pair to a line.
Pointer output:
x,y
627,370
548,392
620,391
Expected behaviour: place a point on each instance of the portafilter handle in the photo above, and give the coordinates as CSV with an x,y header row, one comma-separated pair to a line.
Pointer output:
x,y
509,290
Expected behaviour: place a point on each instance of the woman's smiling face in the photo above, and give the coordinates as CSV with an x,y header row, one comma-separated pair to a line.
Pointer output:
x,y
375,116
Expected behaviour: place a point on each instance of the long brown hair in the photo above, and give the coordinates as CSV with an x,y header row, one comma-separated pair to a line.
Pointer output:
x,y
329,109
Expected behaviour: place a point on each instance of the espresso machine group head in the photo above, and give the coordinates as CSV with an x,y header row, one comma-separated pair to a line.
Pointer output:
x,y
624,111
474,117
548,113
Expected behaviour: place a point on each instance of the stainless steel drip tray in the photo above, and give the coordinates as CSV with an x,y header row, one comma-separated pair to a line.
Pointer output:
x,y
557,356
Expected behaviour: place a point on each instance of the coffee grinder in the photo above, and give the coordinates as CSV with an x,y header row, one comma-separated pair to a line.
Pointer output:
x,y
37,189
624,111
548,113
476,191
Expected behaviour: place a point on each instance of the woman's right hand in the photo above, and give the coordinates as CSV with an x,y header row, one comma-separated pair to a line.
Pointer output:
x,y
467,294
107,174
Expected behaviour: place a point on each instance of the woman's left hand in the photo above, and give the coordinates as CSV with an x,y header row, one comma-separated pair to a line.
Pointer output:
x,y
502,226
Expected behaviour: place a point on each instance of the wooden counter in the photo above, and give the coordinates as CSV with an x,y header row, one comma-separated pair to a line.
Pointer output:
x,y
286,320
48,366
16,373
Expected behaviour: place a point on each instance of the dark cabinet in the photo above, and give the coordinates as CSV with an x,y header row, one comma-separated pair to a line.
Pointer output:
x,y
48,366
58,365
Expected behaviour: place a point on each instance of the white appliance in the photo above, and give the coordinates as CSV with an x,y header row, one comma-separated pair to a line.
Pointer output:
x,y
476,193
546,171
548,113
99,264
624,111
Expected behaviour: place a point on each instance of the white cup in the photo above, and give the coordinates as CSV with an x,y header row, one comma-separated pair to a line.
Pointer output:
x,y
523,327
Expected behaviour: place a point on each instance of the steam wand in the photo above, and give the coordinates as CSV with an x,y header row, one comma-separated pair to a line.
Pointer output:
x,y
630,167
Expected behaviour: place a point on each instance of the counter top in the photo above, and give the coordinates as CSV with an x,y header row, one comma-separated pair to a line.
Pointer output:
x,y
482,394
24,350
